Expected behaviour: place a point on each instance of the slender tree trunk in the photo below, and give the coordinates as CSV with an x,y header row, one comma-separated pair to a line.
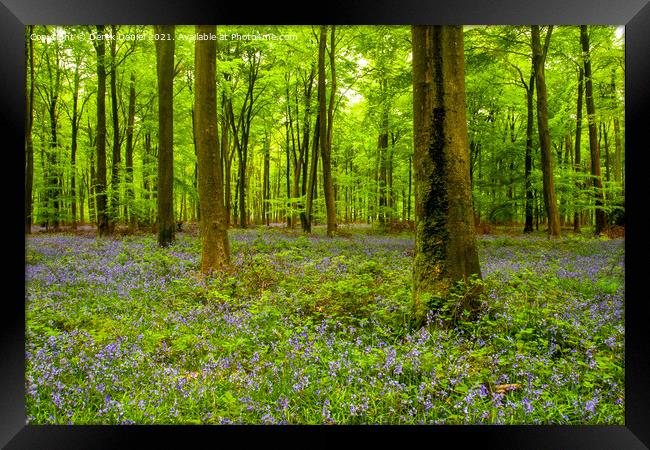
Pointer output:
x,y
165,71
29,119
593,135
133,223
445,242
215,251
226,160
53,182
408,207
326,125
305,143
577,164
617,155
73,149
382,149
528,164
550,202
115,172
313,173
266,185
100,181
606,148
288,213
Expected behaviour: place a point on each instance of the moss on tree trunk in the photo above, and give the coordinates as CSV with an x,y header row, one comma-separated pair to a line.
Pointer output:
x,y
445,238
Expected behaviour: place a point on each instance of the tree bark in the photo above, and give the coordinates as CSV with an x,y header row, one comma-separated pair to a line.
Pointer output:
x,y
445,242
313,173
304,150
115,172
550,202
266,185
215,252
133,223
528,164
382,150
165,72
594,150
100,175
29,120
576,160
73,148
326,124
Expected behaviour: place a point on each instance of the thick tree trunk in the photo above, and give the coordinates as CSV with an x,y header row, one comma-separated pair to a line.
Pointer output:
x,y
215,252
29,119
445,242
593,134
165,71
100,176
550,202
133,223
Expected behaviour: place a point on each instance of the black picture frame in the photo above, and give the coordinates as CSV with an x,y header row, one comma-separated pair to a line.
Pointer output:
x,y
634,14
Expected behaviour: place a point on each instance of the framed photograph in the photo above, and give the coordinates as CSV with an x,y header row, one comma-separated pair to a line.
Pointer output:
x,y
386,220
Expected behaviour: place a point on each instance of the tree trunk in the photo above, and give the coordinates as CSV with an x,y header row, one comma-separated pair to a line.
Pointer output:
x,y
617,151
305,143
115,172
408,207
606,149
313,173
100,175
215,252
593,134
550,202
165,71
445,242
133,223
266,185
29,119
382,150
326,125
73,149
528,164
288,214
577,164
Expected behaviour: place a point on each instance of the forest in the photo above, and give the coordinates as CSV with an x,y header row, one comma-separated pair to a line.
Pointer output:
x,y
324,224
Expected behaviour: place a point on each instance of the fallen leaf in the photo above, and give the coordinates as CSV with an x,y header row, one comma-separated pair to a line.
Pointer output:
x,y
503,388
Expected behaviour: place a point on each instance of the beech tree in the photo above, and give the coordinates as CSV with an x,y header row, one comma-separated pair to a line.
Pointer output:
x,y
445,242
165,72
539,58
594,148
215,252
29,120
100,174
326,116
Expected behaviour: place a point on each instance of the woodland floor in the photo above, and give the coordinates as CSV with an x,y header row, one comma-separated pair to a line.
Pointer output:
x,y
311,330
